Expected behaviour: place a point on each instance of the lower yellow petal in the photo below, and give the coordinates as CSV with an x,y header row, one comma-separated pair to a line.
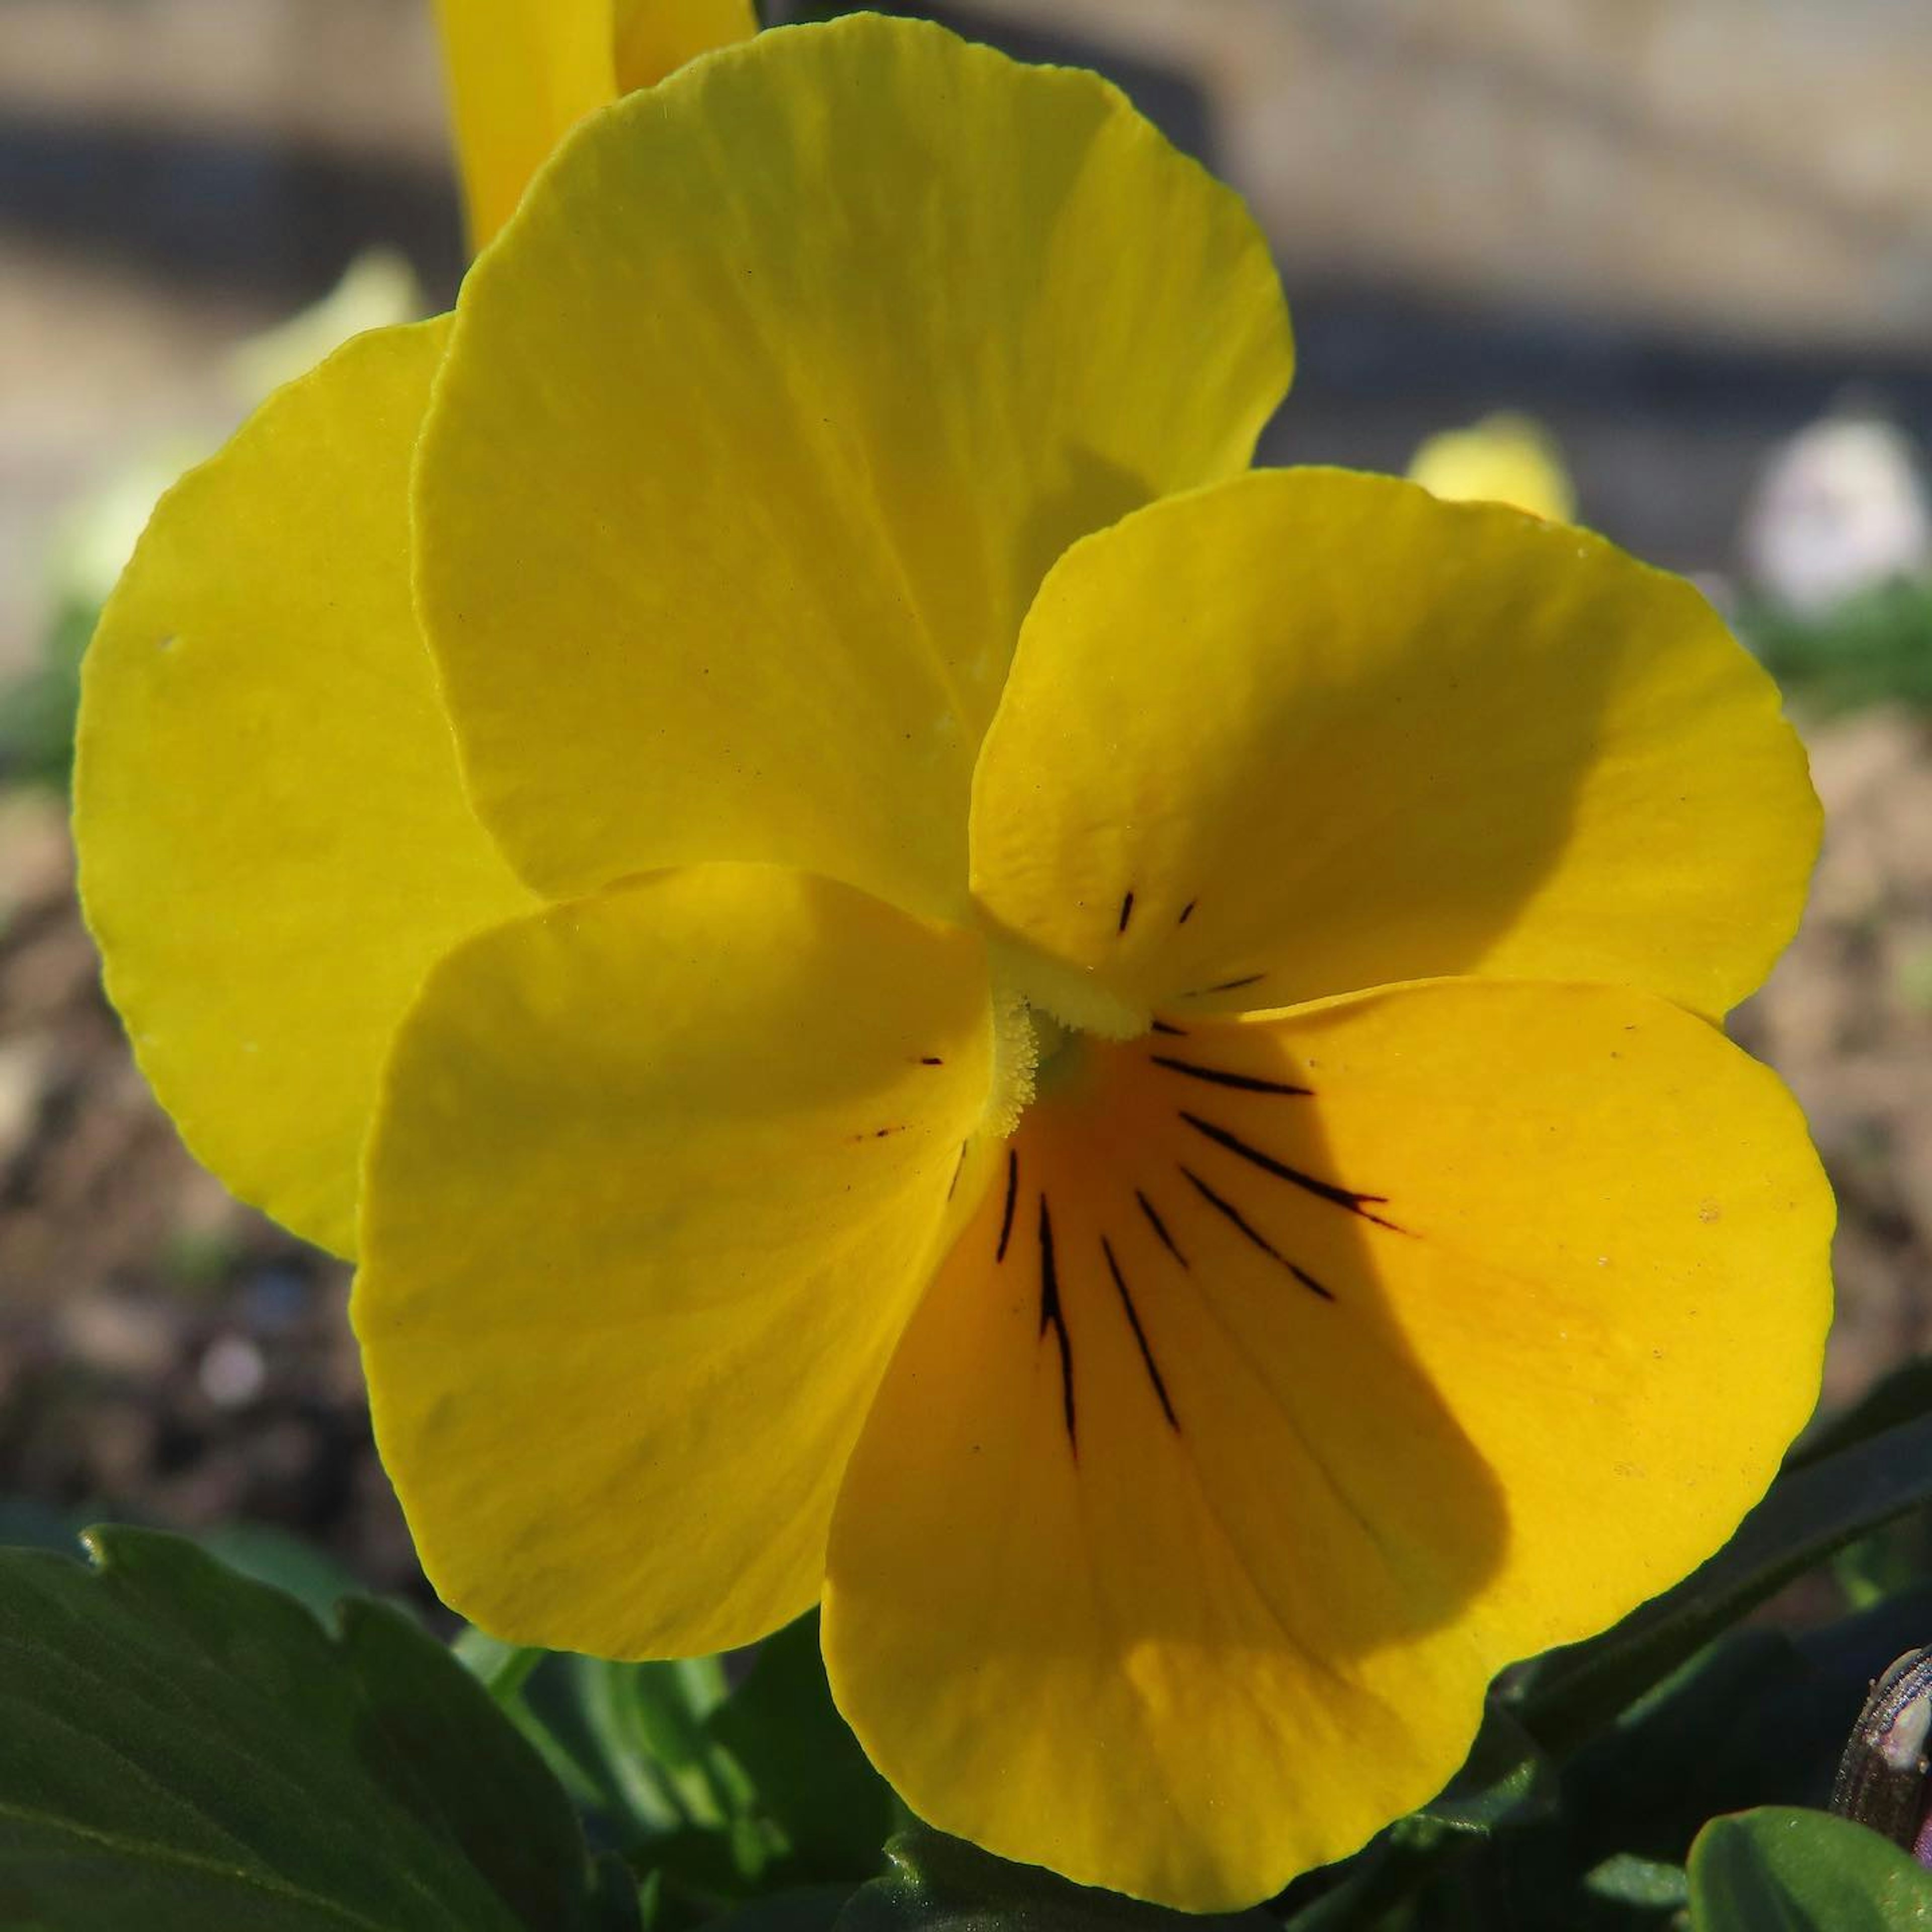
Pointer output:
x,y
274,844
1305,1371
656,1181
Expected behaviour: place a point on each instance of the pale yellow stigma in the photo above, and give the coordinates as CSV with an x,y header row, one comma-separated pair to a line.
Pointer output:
x,y
1016,1052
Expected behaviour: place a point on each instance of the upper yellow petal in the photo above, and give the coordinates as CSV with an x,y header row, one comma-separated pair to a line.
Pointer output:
x,y
654,1186
1329,732
654,38
521,74
274,841
763,421
1305,1371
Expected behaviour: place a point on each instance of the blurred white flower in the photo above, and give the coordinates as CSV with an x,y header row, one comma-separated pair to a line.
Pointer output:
x,y
1841,509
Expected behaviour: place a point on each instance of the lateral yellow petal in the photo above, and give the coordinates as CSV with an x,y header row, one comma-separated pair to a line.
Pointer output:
x,y
655,37
1306,1371
274,841
655,1183
1329,733
762,424
520,73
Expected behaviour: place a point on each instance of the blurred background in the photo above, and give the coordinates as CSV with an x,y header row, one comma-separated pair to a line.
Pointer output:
x,y
1682,247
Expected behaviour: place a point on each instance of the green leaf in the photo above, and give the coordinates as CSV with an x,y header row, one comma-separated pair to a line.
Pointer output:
x,y
1648,1884
1810,1512
938,1882
618,1904
181,1748
273,1556
502,1669
1903,1395
783,1729
1508,1777
804,1908
1779,1869
646,1721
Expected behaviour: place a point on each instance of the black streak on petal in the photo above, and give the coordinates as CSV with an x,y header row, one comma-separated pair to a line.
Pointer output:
x,y
1187,912
958,1168
1226,986
1323,1190
1013,1194
1220,1076
1052,1316
1159,1228
1174,1032
1140,1333
1126,912
1244,1226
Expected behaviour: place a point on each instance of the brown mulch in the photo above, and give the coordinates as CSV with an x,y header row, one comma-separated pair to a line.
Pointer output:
x,y
1847,1019
166,1355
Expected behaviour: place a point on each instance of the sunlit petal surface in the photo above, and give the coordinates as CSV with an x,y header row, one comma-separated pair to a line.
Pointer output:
x,y
655,1183
1313,731
764,421
273,843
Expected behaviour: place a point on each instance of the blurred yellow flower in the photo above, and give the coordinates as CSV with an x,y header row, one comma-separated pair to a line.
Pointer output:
x,y
522,73
918,991
1503,459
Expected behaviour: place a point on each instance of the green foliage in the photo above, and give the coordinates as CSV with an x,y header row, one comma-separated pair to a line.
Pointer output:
x,y
1875,648
834,1809
1778,1870
1508,1777
727,1799
937,1884
38,709
182,1746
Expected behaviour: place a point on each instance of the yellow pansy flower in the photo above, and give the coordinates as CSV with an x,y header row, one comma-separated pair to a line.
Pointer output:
x,y
918,992
522,73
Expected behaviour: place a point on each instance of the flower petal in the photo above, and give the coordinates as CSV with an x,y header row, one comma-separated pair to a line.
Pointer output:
x,y
1331,733
274,841
763,423
654,37
522,73
656,1181
1332,1361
